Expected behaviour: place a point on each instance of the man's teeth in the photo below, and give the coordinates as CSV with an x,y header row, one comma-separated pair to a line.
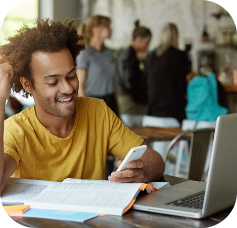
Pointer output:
x,y
68,99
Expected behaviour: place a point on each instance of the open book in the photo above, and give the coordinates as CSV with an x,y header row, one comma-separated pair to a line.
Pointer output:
x,y
158,185
102,197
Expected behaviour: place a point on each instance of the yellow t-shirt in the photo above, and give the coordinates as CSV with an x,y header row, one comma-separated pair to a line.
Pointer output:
x,y
41,155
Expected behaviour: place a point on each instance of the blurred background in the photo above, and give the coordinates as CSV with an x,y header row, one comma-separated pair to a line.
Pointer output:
x,y
206,31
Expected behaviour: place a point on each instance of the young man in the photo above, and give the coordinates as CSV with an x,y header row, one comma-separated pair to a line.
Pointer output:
x,y
62,135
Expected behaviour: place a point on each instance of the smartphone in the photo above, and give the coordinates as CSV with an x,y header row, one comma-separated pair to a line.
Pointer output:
x,y
134,154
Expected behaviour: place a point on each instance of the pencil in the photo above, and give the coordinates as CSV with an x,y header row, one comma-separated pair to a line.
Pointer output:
x,y
7,57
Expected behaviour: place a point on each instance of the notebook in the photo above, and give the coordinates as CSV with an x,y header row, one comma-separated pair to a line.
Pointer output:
x,y
220,190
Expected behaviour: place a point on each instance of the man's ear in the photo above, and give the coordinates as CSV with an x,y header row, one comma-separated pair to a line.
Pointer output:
x,y
26,84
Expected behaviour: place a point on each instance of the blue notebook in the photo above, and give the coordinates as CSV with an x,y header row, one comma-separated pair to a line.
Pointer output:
x,y
57,214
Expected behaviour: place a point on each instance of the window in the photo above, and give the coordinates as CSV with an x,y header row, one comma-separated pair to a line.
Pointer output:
x,y
25,13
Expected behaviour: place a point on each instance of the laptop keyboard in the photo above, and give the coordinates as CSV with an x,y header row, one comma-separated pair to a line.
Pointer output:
x,y
192,201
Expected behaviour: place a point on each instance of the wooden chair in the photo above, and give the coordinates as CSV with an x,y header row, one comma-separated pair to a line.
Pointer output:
x,y
199,144
182,155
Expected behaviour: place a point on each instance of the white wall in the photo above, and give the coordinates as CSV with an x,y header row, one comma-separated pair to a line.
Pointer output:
x,y
59,9
46,9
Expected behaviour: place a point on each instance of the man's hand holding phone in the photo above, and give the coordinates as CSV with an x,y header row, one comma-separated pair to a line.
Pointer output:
x,y
130,169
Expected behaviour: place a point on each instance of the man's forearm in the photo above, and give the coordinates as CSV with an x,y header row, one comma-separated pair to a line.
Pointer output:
x,y
154,166
6,73
2,117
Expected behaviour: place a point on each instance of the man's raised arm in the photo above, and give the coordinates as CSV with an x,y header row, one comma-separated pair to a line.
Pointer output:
x,y
7,163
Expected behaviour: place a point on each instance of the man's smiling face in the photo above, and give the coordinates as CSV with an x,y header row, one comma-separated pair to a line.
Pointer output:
x,y
55,83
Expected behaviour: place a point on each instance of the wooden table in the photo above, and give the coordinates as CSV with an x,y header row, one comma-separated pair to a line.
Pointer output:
x,y
230,88
131,219
152,134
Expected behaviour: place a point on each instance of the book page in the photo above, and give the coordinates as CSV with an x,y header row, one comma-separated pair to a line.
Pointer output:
x,y
74,180
106,198
19,190
158,185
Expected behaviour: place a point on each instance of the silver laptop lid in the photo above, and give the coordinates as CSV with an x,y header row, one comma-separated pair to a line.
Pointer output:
x,y
222,189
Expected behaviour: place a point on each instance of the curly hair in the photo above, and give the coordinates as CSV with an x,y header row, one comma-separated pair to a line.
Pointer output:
x,y
46,36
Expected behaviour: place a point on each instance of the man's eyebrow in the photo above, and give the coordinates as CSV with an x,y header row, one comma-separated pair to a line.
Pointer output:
x,y
58,75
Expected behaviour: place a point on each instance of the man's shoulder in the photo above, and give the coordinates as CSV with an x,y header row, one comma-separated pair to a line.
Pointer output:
x,y
20,121
89,101
91,109
21,116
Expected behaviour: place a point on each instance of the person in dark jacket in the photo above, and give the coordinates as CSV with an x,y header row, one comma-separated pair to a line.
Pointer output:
x,y
166,71
132,89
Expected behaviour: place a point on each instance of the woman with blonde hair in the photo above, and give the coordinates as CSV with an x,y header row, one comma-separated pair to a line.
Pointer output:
x,y
166,71
168,38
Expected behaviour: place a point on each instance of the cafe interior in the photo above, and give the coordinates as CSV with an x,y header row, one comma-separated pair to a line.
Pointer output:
x,y
207,34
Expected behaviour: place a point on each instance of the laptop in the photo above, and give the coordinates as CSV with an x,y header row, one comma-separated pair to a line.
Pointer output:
x,y
216,195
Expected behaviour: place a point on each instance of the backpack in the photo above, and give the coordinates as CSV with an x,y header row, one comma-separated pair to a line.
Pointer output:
x,y
202,99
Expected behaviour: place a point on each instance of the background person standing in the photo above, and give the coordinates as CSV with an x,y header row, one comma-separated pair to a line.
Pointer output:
x,y
95,65
166,70
132,86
